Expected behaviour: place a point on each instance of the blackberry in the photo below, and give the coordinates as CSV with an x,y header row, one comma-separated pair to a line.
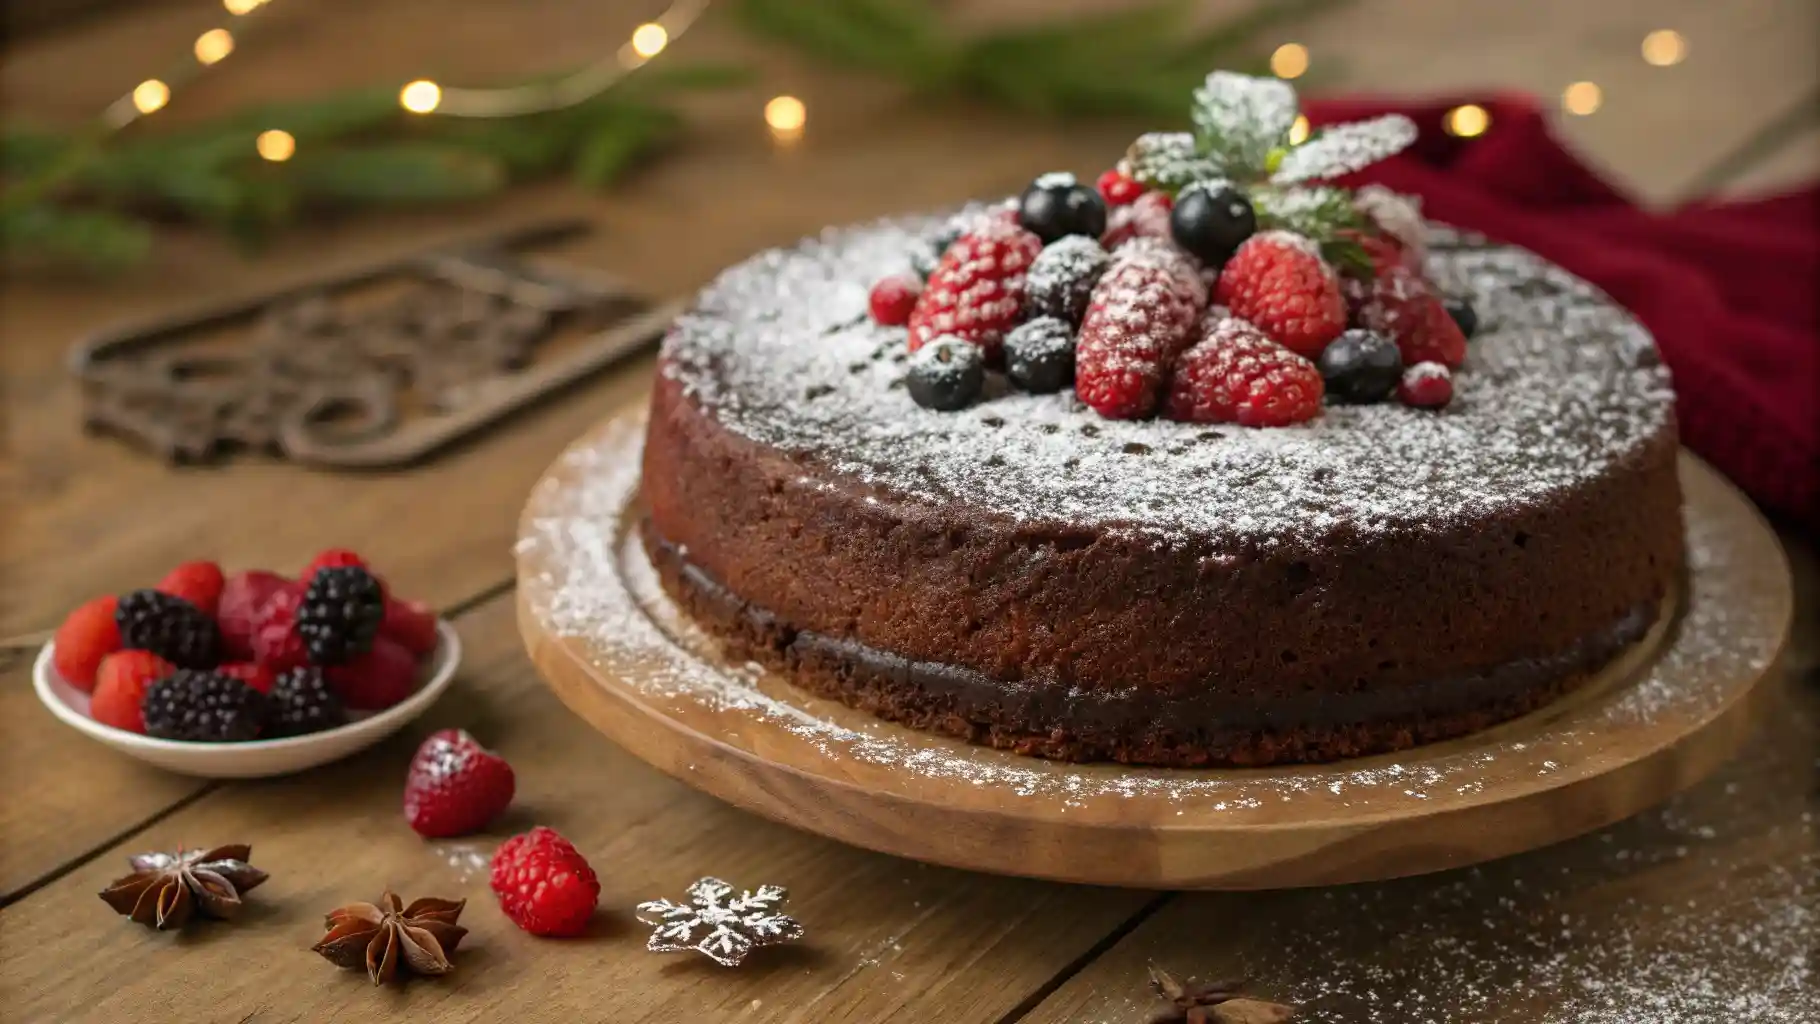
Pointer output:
x,y
1060,280
168,626
204,707
340,614
302,702
946,374
1039,355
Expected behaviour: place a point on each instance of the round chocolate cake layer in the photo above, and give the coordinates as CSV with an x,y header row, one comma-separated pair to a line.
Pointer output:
x,y
1321,587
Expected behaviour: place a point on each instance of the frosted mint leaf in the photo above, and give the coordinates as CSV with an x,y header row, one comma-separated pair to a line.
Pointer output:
x,y
1319,213
1345,148
1168,161
1239,119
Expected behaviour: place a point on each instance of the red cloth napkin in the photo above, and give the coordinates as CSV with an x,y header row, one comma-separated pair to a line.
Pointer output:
x,y
1731,291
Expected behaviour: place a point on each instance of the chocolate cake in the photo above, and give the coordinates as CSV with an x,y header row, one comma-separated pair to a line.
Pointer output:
x,y
1242,493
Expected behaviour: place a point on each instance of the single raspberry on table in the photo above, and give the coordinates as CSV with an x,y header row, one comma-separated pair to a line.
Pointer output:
x,y
1279,282
1235,374
892,299
275,642
259,677
1146,216
543,885
1426,386
411,625
455,786
86,636
1142,314
243,597
977,290
120,688
378,679
199,583
1118,188
1401,305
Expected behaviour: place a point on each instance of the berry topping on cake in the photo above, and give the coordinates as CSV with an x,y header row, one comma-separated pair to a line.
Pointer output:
x,y
1279,282
1118,188
946,374
302,702
340,614
1061,279
1039,355
892,299
1056,206
1401,304
1234,374
1143,313
1426,386
168,626
1361,366
1464,316
1147,216
203,707
1211,219
977,290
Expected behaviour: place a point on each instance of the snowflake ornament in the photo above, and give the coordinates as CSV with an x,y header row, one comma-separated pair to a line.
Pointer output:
x,y
719,925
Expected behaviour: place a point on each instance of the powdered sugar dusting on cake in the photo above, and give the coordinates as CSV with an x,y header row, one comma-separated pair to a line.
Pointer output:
x,y
1558,384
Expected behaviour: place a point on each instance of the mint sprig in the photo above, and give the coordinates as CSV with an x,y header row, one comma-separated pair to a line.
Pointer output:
x,y
1345,148
1169,161
1240,119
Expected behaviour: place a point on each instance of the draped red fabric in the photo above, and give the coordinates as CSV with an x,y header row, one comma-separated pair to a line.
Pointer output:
x,y
1731,290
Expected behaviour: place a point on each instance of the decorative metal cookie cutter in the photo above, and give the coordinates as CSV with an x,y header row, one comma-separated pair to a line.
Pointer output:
x,y
330,380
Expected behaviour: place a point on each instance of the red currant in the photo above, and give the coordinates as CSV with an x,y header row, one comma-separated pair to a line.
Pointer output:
x,y
893,298
1426,386
1118,188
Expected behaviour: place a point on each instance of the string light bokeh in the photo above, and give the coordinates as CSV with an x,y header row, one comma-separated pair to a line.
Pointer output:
x,y
1289,61
1582,98
1467,120
1664,48
785,116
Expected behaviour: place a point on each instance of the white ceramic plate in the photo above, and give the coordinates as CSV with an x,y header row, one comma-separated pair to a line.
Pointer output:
x,y
257,758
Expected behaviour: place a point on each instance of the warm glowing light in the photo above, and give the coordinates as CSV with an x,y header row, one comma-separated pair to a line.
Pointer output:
x,y
238,7
1289,61
213,45
151,95
1582,98
420,97
1664,47
1298,132
276,146
649,39
786,114
1467,121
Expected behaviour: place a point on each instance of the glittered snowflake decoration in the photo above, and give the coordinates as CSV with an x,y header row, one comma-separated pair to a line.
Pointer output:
x,y
719,925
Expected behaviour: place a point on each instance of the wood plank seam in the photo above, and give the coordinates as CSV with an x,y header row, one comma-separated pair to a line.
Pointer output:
x,y
1094,952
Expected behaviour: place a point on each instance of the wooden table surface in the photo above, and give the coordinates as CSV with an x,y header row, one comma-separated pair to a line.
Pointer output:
x,y
1706,909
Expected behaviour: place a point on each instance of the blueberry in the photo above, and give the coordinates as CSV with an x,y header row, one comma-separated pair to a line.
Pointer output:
x,y
946,374
1211,219
1056,205
1061,278
1361,366
1464,315
1039,355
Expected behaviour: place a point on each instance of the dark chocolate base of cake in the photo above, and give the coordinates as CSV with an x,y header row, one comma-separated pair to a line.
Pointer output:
x,y
1205,731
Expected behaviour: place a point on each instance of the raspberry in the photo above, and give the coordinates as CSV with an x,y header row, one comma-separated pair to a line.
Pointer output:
x,y
892,299
1118,188
259,677
333,558
303,702
120,687
1235,374
340,614
977,289
1426,386
170,627
1401,305
411,625
203,707
199,583
455,786
87,636
378,679
1278,281
544,886
275,642
1141,316
1147,216
243,597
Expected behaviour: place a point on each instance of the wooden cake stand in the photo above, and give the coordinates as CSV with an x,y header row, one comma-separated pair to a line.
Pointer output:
x,y
620,653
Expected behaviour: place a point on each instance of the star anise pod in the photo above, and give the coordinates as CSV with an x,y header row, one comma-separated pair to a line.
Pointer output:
x,y
1217,1002
382,937
165,889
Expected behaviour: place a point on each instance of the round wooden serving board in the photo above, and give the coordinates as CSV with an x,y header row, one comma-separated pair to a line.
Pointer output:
x,y
619,652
